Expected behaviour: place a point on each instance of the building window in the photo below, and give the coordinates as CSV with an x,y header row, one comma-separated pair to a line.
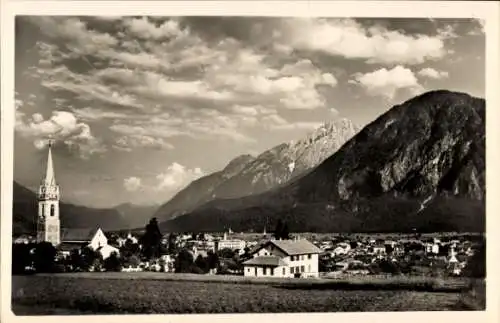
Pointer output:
x,y
284,271
308,256
291,270
52,210
248,269
272,271
298,269
265,271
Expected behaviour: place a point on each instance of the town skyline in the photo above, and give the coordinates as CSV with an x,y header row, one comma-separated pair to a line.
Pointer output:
x,y
133,124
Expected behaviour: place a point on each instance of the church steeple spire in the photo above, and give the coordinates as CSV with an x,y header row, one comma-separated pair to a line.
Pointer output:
x,y
50,178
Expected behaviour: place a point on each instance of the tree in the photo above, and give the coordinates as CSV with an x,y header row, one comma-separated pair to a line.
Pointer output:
x,y
21,258
151,240
281,231
226,253
88,258
44,257
213,260
131,260
285,233
112,263
75,260
278,230
129,249
172,245
183,261
476,266
202,263
353,244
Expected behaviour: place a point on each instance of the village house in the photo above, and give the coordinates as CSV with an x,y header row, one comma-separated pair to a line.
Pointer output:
x,y
24,239
432,248
233,244
95,239
284,258
377,249
341,248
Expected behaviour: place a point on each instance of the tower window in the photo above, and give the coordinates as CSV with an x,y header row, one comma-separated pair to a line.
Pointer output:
x,y
52,210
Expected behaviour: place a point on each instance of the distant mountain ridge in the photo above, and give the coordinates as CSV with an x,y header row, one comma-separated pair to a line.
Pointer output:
x,y
430,148
247,175
135,215
25,209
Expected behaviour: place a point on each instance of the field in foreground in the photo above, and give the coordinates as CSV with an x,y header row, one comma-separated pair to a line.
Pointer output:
x,y
53,295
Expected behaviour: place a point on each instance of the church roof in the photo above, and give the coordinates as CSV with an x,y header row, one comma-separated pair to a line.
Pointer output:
x,y
78,235
68,246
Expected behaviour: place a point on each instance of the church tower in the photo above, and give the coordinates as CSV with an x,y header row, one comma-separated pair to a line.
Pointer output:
x,y
48,222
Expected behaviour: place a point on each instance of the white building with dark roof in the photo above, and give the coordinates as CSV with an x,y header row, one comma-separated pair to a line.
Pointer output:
x,y
283,258
93,238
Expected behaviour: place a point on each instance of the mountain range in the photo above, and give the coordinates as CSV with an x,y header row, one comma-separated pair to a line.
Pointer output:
x,y
246,175
123,216
419,166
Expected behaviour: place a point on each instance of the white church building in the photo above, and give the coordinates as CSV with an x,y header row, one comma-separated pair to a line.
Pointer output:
x,y
49,224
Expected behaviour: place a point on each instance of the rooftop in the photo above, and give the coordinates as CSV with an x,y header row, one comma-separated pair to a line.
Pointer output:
x,y
68,246
296,247
78,235
265,261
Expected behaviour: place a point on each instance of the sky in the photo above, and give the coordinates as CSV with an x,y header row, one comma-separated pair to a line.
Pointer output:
x,y
139,107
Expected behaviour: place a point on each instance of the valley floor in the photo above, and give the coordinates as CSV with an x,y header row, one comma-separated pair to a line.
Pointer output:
x,y
111,293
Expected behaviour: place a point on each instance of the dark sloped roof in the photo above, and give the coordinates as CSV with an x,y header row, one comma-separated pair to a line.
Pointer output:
x,y
68,246
265,261
78,235
296,247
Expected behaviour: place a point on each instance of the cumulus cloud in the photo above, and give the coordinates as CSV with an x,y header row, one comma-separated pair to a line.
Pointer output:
x,y
176,176
386,82
157,78
132,184
350,39
144,28
432,73
63,127
128,143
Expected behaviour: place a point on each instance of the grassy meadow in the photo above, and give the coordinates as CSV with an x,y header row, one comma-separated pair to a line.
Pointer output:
x,y
135,293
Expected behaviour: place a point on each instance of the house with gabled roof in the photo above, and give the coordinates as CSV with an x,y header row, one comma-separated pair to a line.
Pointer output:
x,y
93,238
283,258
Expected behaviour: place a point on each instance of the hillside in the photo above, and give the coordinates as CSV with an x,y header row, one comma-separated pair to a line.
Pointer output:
x,y
420,165
247,175
135,215
72,216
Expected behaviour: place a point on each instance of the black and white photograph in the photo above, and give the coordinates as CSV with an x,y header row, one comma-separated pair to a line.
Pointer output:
x,y
204,164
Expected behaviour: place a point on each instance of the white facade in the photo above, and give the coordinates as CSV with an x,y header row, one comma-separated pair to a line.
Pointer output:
x,y
231,244
98,240
261,271
107,250
48,222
